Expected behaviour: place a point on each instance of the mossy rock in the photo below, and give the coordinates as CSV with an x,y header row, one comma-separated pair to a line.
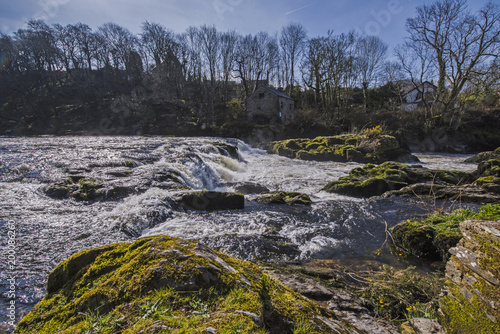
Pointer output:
x,y
342,148
372,180
211,200
88,190
432,237
169,285
416,239
77,187
284,197
488,168
484,156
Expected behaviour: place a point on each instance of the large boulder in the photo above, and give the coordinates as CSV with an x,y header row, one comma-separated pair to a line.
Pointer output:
x,y
168,285
343,148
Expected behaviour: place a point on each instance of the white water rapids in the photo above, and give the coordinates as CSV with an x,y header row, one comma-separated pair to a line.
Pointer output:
x,y
50,230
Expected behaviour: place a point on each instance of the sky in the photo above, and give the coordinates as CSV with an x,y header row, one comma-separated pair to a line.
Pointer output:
x,y
383,18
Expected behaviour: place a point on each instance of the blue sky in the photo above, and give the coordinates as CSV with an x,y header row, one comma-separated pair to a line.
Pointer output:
x,y
384,18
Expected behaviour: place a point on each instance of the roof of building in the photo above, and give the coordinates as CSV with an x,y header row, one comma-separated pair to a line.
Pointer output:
x,y
410,88
276,92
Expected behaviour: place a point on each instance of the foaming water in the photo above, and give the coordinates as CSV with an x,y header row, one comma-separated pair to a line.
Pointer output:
x,y
446,161
155,169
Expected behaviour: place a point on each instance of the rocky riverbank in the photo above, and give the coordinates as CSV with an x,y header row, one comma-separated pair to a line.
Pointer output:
x,y
391,179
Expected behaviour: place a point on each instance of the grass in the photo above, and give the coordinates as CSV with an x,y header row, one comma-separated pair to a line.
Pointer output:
x,y
403,294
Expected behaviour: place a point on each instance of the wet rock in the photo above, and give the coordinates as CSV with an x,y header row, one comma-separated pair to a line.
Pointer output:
x,y
227,150
77,187
343,148
472,298
191,286
250,188
58,190
284,197
210,200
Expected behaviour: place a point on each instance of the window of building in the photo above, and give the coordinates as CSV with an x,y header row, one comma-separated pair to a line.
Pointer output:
x,y
281,103
261,95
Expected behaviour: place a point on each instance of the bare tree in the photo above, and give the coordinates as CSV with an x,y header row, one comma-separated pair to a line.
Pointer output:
x,y
292,42
118,42
157,41
86,42
210,48
228,42
459,41
370,55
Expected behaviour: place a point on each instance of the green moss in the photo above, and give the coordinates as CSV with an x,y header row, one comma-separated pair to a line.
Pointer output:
x,y
462,316
129,164
88,190
284,197
164,284
372,180
482,181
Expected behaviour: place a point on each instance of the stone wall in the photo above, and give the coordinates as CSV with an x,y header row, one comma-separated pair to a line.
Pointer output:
x,y
471,303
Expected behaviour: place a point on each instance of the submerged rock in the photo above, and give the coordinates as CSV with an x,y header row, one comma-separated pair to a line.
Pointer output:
x,y
343,148
164,284
472,299
284,197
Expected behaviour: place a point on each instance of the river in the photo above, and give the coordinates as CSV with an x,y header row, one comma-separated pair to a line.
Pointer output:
x,y
49,230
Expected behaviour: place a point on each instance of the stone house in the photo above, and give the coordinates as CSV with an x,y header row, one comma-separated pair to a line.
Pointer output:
x,y
268,105
414,96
